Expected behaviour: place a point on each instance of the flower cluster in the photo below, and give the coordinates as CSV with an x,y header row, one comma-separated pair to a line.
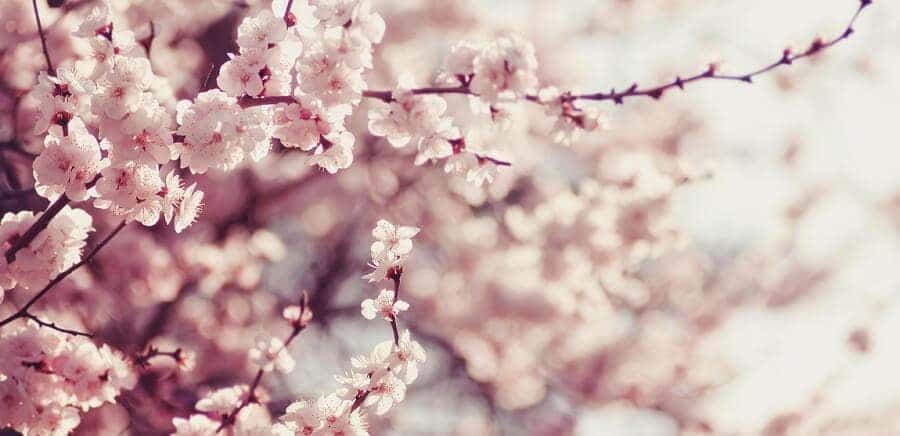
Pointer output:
x,y
377,380
327,46
392,245
127,104
56,248
47,378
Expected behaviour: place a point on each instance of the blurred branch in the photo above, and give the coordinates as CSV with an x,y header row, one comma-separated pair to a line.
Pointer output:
x,y
37,18
42,222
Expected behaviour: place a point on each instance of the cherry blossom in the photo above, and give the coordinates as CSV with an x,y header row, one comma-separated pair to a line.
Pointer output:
x,y
384,306
70,161
334,152
121,89
570,120
403,358
394,239
212,135
409,118
144,136
262,31
98,22
131,190
505,69
60,98
271,354
58,247
303,126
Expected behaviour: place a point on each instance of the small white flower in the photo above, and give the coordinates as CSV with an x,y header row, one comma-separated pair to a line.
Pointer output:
x,y
505,70
397,240
131,190
460,62
409,118
403,359
383,305
269,354
335,152
302,417
242,73
122,87
96,23
297,315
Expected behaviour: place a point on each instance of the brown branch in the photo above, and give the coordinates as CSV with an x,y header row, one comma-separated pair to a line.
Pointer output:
x,y
42,222
618,97
23,312
246,101
37,18
289,18
787,58
388,96
53,326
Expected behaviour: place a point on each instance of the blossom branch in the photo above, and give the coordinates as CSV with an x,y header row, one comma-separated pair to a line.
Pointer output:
x,y
42,222
298,324
23,311
37,19
787,58
618,97
53,326
246,101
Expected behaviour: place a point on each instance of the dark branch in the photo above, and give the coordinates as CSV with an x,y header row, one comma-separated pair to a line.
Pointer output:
x,y
23,312
289,18
787,58
37,18
42,222
53,326
246,102
618,97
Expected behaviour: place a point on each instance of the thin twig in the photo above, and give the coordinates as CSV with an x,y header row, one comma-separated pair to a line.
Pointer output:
x,y
143,359
23,311
37,18
53,326
298,326
787,58
618,97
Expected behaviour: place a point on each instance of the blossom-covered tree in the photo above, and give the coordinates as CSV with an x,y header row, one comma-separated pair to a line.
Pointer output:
x,y
189,189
